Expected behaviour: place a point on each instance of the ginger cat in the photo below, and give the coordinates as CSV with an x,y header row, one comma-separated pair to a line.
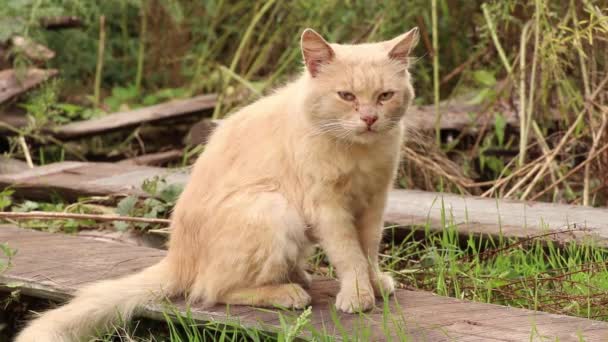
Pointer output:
x,y
311,163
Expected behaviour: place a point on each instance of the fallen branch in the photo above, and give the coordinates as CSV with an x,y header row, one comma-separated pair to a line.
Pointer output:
x,y
60,216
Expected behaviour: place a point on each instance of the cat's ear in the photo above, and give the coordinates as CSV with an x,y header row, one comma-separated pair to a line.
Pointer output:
x,y
401,46
315,50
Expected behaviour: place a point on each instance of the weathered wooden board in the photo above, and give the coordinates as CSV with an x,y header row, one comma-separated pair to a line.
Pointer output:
x,y
168,110
9,165
11,119
154,158
12,83
54,265
405,207
457,116
77,179
489,216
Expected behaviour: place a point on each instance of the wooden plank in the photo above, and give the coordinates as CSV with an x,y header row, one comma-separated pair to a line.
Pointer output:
x,y
13,83
470,214
476,215
72,180
457,116
54,265
11,120
154,158
168,110
10,165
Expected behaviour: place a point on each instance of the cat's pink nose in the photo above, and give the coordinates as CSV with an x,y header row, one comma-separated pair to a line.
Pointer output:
x,y
369,119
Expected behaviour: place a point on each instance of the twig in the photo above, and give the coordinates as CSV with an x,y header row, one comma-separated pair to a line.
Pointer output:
x,y
523,134
552,155
497,45
457,70
522,181
578,167
436,71
596,140
142,48
100,53
563,140
425,36
26,151
59,216
545,149
502,181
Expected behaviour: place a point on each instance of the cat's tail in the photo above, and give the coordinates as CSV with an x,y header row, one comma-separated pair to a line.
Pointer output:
x,y
97,306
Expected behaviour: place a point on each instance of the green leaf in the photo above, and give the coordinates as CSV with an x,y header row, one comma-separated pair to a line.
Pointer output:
x,y
484,77
170,193
121,226
481,96
27,206
150,186
126,206
500,123
5,198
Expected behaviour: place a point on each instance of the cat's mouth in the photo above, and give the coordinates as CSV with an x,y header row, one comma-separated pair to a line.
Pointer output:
x,y
367,130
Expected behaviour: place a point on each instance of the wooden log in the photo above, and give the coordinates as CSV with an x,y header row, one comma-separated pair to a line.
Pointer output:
x,y
111,122
12,83
55,265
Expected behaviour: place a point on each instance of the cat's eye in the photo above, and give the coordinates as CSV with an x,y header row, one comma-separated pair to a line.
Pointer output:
x,y
386,96
347,96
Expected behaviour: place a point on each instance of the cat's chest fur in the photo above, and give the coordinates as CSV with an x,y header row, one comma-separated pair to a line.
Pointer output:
x,y
353,176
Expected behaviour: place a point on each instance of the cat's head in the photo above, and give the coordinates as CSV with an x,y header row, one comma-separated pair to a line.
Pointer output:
x,y
358,92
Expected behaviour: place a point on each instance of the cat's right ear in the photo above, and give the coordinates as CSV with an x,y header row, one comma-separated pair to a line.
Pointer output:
x,y
315,50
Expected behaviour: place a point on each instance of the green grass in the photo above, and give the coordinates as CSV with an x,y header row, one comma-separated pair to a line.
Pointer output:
x,y
537,273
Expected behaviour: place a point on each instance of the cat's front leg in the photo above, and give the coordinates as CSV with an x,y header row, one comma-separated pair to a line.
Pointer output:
x,y
338,237
370,226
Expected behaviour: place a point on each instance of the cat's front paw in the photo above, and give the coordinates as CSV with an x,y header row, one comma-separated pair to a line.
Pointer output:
x,y
354,299
384,285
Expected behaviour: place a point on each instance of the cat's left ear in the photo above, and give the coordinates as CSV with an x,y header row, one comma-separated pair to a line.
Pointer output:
x,y
315,50
401,46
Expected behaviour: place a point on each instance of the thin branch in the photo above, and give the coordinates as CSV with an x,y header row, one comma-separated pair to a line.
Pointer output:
x,y
578,167
26,151
61,216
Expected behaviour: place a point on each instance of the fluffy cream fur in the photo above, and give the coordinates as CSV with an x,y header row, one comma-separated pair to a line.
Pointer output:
x,y
295,168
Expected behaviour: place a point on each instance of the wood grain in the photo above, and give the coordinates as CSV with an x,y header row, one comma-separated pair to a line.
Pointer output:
x,y
54,265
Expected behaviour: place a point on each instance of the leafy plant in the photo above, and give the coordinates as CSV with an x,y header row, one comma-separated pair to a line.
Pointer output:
x,y
8,254
163,197
6,199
